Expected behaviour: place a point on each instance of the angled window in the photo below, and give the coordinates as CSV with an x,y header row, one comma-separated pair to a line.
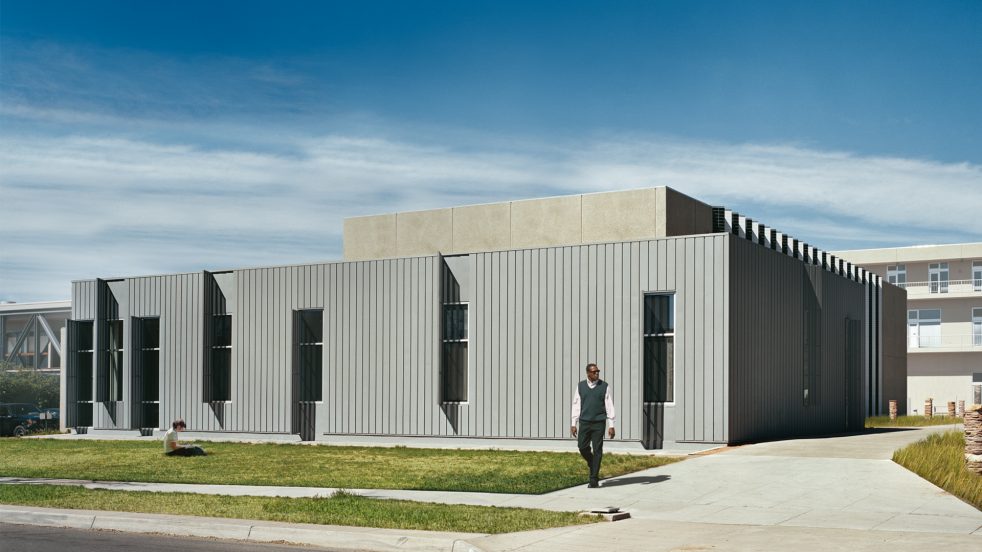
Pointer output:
x,y
221,357
454,367
218,344
659,348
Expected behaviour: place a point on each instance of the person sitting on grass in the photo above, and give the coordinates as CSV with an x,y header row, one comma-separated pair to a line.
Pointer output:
x,y
171,448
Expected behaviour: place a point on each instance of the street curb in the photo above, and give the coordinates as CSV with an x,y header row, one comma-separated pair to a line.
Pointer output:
x,y
332,536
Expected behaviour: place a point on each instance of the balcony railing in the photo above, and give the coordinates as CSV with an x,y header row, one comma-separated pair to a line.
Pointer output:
x,y
949,287
961,342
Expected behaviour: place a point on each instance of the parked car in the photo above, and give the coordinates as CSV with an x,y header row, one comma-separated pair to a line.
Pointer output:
x,y
19,419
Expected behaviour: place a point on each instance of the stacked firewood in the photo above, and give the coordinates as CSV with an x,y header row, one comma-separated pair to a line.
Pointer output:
x,y
973,438
929,408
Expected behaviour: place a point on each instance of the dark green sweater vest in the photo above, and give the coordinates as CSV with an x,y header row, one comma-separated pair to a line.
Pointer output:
x,y
592,405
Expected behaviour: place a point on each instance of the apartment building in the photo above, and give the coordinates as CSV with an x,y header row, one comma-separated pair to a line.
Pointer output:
x,y
944,317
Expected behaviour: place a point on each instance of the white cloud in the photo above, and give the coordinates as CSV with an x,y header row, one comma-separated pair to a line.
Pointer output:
x,y
83,206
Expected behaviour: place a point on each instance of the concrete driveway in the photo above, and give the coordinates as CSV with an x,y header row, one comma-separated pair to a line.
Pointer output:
x,y
809,491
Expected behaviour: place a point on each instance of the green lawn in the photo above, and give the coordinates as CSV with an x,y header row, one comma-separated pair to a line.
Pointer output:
x,y
341,509
311,466
941,460
911,421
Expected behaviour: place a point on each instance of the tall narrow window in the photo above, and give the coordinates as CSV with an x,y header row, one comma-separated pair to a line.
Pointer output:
x,y
217,376
310,335
221,357
149,329
454,373
83,352
897,275
659,348
938,277
977,275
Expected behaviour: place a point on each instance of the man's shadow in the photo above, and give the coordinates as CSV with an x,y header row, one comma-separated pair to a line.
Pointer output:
x,y
638,480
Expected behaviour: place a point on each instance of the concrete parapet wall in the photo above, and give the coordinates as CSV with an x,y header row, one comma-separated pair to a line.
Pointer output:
x,y
647,213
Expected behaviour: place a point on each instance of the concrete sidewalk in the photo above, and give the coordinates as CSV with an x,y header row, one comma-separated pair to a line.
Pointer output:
x,y
815,492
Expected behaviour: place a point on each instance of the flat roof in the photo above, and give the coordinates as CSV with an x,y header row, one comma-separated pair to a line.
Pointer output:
x,y
13,308
914,253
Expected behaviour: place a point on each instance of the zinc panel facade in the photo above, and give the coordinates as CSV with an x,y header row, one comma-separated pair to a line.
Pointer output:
x,y
536,317
769,294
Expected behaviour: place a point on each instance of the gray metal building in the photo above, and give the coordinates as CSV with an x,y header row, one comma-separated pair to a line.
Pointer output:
x,y
476,323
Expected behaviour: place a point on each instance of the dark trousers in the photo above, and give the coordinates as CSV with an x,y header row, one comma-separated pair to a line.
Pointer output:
x,y
187,450
590,439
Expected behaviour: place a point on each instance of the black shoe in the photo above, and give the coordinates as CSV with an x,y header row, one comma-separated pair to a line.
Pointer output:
x,y
593,485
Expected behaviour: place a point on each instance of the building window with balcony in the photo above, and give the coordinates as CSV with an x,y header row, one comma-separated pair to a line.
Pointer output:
x,y
977,275
897,275
923,328
938,277
977,326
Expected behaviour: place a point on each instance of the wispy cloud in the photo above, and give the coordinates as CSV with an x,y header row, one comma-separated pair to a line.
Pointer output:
x,y
80,207
124,163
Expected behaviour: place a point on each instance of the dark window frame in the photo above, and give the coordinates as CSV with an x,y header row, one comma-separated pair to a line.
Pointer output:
x,y
653,333
457,345
221,372
309,344
150,407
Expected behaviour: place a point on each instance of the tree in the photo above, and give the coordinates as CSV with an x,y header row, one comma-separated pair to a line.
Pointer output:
x,y
28,386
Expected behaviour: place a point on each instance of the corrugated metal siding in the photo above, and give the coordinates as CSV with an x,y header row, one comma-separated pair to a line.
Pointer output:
x,y
537,316
541,315
768,291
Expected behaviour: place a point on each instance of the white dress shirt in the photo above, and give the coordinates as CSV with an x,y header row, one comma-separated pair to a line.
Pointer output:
x,y
608,403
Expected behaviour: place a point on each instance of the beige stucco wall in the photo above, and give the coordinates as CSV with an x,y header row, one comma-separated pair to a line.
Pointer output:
x,y
620,216
371,237
422,232
567,220
547,222
481,228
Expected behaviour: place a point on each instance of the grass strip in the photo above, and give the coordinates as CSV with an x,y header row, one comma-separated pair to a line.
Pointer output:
x,y
494,471
340,509
941,460
911,421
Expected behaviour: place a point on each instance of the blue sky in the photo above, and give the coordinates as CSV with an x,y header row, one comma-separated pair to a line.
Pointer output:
x,y
144,137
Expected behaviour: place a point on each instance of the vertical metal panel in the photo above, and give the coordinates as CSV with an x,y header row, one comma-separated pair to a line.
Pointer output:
x,y
537,317
767,312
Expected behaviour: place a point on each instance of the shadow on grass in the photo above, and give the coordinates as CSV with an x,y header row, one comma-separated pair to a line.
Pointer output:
x,y
637,480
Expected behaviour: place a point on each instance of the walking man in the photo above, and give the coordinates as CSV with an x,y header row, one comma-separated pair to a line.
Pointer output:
x,y
593,408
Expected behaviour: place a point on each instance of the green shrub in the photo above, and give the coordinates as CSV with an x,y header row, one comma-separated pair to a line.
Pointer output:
x,y
28,386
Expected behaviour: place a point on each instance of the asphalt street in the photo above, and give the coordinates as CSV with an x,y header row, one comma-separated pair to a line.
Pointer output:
x,y
27,538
